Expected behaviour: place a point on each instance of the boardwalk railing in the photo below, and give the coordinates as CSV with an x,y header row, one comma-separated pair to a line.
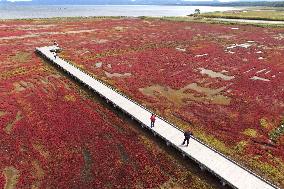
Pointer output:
x,y
229,171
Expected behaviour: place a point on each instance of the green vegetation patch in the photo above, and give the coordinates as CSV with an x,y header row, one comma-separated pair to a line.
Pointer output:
x,y
276,133
273,15
250,132
241,146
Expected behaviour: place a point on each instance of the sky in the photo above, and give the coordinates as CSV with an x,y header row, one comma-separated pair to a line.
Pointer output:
x,y
183,0
18,0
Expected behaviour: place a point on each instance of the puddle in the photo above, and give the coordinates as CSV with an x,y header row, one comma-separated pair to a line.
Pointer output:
x,y
259,78
234,28
267,72
260,71
249,70
201,55
213,74
188,93
244,45
11,176
9,127
98,64
110,75
180,49
231,52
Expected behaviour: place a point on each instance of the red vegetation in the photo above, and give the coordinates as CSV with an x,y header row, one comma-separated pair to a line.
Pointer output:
x,y
54,135
227,83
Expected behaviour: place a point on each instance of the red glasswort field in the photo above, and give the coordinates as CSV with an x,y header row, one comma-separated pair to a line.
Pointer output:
x,y
54,134
225,82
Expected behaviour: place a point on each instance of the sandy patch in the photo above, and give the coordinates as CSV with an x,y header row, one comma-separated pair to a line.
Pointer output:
x,y
35,27
191,92
100,41
120,28
2,113
110,75
41,149
21,57
22,86
69,98
38,173
279,36
213,74
9,127
11,176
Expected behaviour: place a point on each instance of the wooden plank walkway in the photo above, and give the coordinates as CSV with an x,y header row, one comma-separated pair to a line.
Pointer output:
x,y
227,170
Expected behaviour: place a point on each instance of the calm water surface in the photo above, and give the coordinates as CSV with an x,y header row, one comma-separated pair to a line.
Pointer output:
x,y
49,11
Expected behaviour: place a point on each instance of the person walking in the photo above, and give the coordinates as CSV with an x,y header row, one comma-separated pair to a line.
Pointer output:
x,y
187,135
153,119
55,44
54,54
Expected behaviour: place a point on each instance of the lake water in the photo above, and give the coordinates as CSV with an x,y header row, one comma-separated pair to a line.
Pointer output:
x,y
49,11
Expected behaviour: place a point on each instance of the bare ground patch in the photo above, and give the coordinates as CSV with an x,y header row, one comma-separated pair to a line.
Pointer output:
x,y
188,93
11,176
9,127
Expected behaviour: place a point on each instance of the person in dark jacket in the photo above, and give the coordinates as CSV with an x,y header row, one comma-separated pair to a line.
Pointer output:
x,y
187,135
54,54
55,44
153,119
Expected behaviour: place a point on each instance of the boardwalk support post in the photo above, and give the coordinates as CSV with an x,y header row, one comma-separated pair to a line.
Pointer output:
x,y
202,168
168,144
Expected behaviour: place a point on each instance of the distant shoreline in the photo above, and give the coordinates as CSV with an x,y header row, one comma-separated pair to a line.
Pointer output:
x,y
53,11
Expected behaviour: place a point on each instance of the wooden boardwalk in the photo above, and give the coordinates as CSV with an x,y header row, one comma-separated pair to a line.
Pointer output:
x,y
227,170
